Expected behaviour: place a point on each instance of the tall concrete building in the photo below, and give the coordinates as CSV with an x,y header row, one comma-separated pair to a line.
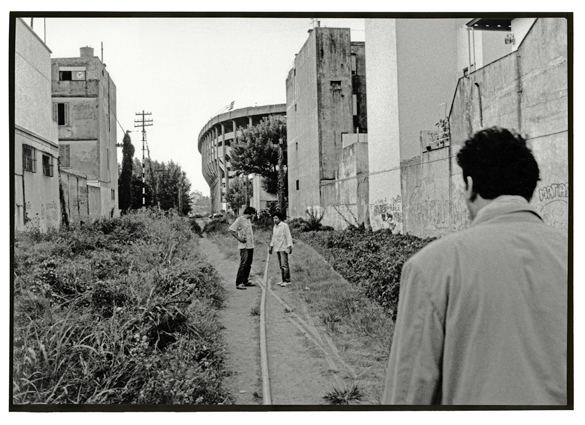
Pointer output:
x,y
326,113
434,82
84,107
36,144
214,145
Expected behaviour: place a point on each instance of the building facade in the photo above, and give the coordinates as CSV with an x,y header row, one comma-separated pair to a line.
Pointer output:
x,y
214,145
84,107
326,111
433,83
36,144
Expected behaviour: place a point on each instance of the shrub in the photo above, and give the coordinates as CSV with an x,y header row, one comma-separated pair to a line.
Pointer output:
x,y
216,226
372,260
119,311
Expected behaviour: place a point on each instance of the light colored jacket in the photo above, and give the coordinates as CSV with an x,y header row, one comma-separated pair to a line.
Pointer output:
x,y
281,237
482,316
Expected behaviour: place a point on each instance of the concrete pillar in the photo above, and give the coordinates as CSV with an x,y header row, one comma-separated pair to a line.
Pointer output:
x,y
225,168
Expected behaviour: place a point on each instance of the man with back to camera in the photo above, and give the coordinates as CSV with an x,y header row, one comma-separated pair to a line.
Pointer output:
x,y
482,316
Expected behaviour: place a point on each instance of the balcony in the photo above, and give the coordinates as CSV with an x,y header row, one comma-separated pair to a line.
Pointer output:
x,y
89,88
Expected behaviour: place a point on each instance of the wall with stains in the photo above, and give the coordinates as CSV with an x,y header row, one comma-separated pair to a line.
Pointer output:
x,y
527,91
36,195
345,199
426,194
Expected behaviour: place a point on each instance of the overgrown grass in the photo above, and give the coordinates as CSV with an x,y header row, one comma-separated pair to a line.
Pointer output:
x,y
120,311
371,260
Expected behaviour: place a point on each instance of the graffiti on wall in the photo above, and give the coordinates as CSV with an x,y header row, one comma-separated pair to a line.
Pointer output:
x,y
553,191
434,212
389,212
554,208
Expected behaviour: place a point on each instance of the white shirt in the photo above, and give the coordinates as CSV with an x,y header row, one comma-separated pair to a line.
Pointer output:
x,y
243,227
281,238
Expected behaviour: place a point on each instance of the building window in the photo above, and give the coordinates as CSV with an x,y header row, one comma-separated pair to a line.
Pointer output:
x,y
113,195
29,158
297,185
65,156
47,165
65,76
72,75
295,107
297,145
354,104
61,113
335,85
353,63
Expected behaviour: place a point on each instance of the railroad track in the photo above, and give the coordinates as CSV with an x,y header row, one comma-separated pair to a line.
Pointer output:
x,y
306,326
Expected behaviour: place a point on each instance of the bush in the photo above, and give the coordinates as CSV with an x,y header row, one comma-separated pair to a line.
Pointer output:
x,y
372,260
195,227
119,311
311,224
216,226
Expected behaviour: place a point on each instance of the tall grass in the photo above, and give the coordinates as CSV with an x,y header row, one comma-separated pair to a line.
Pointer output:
x,y
119,311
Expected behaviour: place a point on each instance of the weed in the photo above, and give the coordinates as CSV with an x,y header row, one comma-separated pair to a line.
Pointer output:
x,y
119,311
255,311
343,396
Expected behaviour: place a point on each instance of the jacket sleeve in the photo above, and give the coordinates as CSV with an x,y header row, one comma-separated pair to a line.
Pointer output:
x,y
413,375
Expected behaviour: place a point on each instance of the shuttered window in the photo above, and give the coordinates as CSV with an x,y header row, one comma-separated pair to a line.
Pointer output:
x,y
47,165
61,113
29,158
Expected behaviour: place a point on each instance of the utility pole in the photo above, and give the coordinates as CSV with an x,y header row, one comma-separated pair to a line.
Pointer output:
x,y
143,123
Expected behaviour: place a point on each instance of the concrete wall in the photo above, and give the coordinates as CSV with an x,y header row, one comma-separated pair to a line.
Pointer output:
x,y
412,68
303,155
36,196
526,90
383,135
427,62
75,197
334,107
91,132
260,197
345,200
426,194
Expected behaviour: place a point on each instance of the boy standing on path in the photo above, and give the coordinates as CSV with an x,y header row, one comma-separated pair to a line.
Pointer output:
x,y
241,229
282,242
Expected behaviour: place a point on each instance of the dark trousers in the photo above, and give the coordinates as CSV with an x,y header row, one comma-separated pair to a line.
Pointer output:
x,y
283,263
246,257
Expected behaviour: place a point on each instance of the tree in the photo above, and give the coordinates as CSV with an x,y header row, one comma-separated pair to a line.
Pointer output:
x,y
256,152
169,183
236,196
125,180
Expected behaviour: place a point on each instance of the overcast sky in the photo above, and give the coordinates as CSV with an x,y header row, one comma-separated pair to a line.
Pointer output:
x,y
184,70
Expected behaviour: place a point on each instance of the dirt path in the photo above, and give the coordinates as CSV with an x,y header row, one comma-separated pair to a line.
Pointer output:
x,y
299,372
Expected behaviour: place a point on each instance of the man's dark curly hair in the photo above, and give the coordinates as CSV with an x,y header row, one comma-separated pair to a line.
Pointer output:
x,y
500,163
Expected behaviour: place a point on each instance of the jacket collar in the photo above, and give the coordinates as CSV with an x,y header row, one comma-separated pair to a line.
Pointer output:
x,y
504,205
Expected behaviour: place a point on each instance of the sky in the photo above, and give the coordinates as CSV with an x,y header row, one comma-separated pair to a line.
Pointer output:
x,y
185,70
